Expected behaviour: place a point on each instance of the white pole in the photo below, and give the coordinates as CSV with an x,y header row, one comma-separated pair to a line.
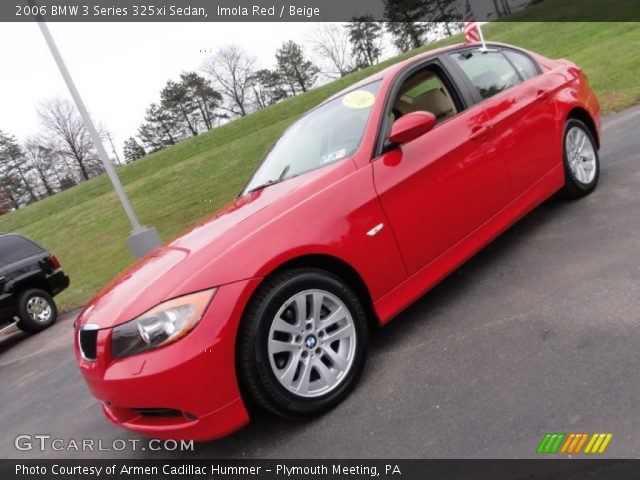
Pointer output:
x,y
142,239
484,45
108,166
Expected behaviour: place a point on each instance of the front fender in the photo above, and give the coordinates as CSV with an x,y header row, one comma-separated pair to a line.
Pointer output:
x,y
334,220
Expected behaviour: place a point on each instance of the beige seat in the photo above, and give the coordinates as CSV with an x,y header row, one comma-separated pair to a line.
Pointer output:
x,y
436,102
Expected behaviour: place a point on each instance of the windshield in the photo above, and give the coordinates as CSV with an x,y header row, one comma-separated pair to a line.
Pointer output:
x,y
329,133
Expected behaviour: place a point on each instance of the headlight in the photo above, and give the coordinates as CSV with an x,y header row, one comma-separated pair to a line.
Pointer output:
x,y
162,325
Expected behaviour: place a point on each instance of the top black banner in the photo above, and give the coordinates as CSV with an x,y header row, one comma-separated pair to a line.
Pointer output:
x,y
319,10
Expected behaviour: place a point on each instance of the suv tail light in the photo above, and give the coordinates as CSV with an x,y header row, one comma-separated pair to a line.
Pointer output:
x,y
55,262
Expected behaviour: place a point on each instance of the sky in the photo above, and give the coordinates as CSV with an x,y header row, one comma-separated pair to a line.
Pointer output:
x,y
119,68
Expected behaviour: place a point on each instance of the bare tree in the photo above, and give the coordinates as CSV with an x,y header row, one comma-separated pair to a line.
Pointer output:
x,y
331,43
59,163
231,69
60,117
41,160
497,8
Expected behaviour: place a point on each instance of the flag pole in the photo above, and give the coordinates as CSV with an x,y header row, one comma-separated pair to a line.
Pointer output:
x,y
483,48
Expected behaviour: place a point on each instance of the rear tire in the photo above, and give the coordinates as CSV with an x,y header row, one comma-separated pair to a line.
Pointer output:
x,y
36,310
581,159
302,343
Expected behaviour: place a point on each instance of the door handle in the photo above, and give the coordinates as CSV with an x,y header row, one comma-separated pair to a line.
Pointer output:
x,y
480,132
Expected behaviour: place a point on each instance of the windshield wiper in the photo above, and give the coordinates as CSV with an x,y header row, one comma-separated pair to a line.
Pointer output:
x,y
264,185
271,182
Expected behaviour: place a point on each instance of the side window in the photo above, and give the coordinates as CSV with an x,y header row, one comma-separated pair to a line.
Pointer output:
x,y
15,247
490,72
525,66
425,91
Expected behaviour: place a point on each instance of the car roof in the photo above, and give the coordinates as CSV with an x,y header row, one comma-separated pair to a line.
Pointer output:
x,y
392,69
396,67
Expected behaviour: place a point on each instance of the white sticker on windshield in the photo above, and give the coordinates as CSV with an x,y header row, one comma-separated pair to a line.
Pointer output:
x,y
332,157
358,99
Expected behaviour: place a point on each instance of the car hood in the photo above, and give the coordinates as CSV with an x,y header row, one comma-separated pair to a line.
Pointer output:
x,y
176,268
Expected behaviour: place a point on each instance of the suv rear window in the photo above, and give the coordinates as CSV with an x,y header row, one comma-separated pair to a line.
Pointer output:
x,y
15,247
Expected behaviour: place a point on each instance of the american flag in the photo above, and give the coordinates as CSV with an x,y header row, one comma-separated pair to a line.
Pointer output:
x,y
471,32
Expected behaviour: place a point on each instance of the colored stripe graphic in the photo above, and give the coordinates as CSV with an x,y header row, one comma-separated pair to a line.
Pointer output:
x,y
567,443
598,443
572,443
581,443
551,442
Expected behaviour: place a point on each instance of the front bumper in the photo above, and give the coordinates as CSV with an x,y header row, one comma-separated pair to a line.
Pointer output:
x,y
186,390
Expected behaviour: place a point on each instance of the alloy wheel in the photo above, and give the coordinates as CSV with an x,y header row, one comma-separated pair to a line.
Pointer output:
x,y
312,343
581,155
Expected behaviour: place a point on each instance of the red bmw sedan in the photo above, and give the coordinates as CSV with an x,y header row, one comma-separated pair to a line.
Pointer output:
x,y
363,205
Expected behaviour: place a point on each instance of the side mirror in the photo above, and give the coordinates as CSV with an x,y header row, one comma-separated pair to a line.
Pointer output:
x,y
411,126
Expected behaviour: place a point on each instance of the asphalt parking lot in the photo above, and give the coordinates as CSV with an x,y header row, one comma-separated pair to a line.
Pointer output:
x,y
538,333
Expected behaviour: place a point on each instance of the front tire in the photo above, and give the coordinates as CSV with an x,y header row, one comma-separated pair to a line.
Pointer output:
x,y
302,343
36,310
581,159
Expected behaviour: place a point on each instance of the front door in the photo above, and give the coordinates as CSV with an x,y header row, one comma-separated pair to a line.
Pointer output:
x,y
440,187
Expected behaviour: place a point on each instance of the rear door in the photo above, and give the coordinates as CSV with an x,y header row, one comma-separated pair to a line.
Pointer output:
x,y
440,187
518,99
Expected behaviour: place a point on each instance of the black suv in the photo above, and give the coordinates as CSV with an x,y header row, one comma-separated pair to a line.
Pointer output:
x,y
29,278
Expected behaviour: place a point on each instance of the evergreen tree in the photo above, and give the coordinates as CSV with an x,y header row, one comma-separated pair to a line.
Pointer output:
x,y
267,88
175,100
445,15
204,96
298,72
406,22
133,150
161,128
365,36
15,169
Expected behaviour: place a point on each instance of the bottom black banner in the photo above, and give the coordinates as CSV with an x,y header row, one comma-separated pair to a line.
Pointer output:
x,y
566,469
